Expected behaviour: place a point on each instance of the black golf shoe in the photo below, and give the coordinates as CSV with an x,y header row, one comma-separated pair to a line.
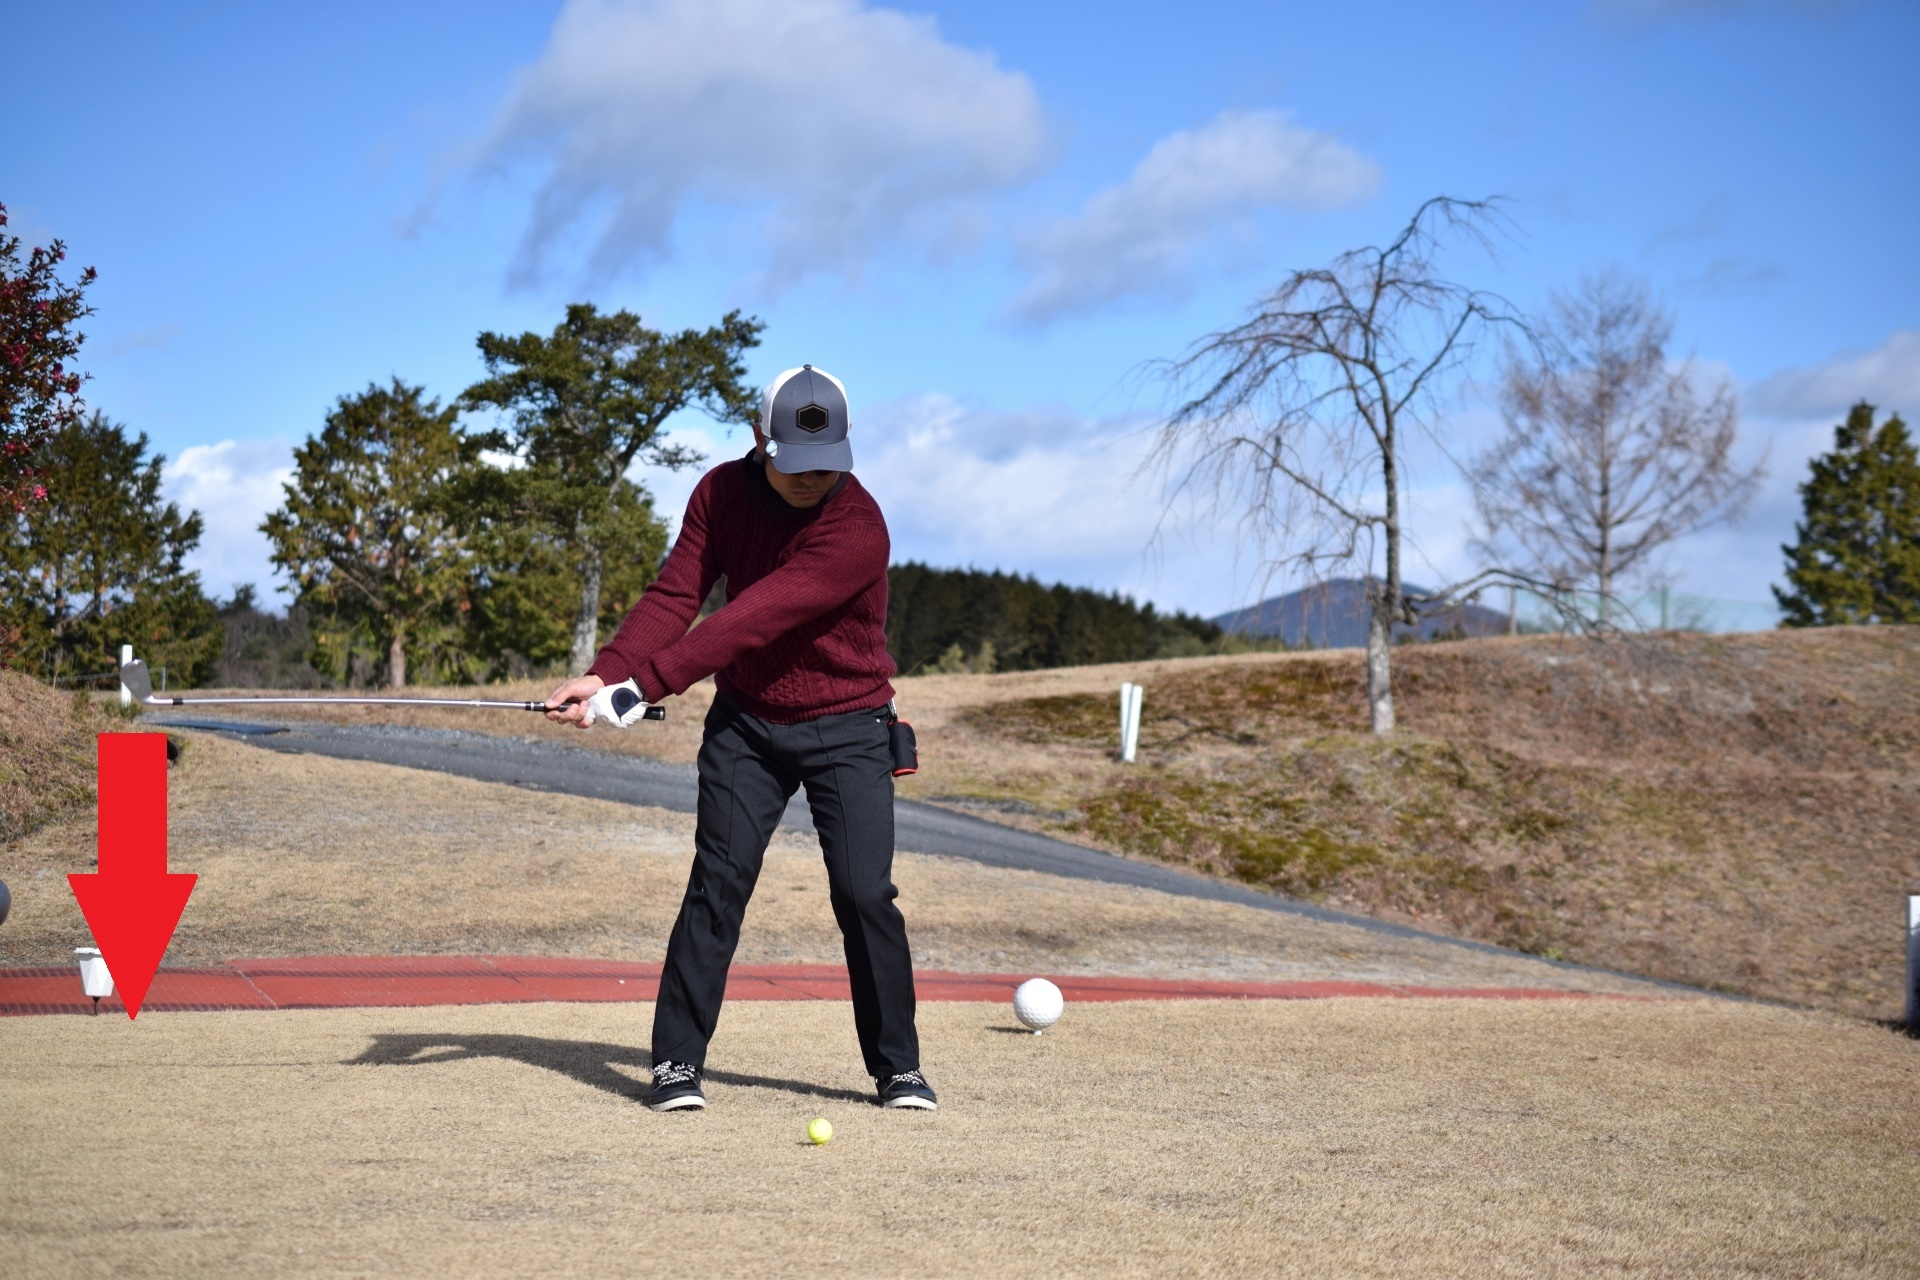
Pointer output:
x,y
676,1087
907,1089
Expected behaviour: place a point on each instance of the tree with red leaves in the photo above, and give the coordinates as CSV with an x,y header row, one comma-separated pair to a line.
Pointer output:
x,y
39,388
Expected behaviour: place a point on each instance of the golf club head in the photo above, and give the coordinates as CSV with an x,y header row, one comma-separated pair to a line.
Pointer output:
x,y
139,683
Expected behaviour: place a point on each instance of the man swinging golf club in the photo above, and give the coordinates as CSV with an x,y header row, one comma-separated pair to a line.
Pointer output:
x,y
799,657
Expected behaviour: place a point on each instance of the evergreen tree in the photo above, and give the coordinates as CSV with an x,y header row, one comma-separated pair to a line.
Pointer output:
x,y
367,536
1858,555
587,402
98,562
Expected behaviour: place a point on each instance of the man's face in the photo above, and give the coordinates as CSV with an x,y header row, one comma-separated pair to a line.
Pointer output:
x,y
803,490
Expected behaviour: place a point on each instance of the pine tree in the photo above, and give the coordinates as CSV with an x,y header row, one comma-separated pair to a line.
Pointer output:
x,y
365,535
1858,555
587,402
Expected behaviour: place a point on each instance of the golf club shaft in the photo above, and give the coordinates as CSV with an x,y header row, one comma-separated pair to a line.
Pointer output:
x,y
155,700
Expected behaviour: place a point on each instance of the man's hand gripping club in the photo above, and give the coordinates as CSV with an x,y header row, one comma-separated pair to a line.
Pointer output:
x,y
586,699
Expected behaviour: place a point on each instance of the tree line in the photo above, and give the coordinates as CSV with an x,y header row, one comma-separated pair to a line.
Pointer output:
x,y
415,549
949,620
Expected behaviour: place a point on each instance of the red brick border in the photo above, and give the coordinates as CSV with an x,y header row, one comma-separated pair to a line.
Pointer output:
x,y
338,982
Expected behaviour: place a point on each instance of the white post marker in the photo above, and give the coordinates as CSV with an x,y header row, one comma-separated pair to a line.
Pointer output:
x,y
94,978
126,694
1913,964
1131,696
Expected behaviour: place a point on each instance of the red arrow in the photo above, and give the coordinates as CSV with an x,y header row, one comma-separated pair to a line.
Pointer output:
x,y
132,904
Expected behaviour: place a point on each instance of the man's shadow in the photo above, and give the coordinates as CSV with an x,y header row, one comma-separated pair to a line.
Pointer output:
x,y
589,1062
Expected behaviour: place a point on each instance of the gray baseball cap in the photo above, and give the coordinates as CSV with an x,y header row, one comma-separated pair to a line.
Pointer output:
x,y
803,414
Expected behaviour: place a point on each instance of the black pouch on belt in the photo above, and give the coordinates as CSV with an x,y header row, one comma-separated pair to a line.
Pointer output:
x,y
906,753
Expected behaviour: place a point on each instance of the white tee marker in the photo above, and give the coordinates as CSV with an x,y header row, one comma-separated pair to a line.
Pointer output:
x,y
94,978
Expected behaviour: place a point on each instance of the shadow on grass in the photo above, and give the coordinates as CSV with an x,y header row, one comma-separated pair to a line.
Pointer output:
x,y
589,1062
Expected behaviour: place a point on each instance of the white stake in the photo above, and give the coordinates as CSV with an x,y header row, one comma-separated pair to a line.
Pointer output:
x,y
1913,964
1131,697
126,694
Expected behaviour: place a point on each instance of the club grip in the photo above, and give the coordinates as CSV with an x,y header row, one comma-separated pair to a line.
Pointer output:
x,y
654,713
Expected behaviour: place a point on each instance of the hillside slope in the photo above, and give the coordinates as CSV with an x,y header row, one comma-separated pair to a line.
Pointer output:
x,y
1737,812
46,752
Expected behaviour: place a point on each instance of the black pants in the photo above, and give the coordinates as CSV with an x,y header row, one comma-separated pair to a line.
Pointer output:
x,y
749,769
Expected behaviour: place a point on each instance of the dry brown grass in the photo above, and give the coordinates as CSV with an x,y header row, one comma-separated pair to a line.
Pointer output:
x,y
46,752
1375,1138
304,855
1735,812
1384,1138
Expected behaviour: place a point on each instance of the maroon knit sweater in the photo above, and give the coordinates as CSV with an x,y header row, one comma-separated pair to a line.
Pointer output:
x,y
804,632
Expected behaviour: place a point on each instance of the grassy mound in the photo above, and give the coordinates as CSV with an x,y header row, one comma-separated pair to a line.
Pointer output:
x,y
46,752
1735,812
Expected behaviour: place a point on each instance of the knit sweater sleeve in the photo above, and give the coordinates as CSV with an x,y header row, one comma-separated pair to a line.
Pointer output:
x,y
837,560
671,602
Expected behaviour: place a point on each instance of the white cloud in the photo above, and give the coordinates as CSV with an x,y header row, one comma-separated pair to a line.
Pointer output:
x,y
1887,376
1141,237
845,127
232,484
1043,491
986,488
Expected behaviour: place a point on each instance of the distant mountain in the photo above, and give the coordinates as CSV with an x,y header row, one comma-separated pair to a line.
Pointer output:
x,y
1333,615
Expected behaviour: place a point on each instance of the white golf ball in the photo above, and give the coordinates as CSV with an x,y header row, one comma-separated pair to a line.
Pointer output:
x,y
1038,1004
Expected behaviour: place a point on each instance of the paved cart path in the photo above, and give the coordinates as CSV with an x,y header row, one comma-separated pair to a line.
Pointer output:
x,y
919,827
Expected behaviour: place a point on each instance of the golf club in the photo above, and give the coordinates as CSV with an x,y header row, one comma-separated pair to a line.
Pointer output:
x,y
621,700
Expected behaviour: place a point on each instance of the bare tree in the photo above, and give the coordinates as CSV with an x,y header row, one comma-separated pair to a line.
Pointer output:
x,y
1609,452
1303,414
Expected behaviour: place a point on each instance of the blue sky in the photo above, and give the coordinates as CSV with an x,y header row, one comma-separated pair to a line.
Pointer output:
x,y
983,217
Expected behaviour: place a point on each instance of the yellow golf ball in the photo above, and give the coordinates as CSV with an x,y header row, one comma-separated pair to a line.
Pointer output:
x,y
818,1132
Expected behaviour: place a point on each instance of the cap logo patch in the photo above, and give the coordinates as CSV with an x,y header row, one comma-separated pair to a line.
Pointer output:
x,y
811,418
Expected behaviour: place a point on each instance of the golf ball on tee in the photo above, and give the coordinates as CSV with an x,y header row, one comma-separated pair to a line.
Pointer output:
x,y
819,1131
1038,1004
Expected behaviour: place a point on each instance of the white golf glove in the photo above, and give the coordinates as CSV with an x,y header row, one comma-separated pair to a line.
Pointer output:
x,y
618,704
